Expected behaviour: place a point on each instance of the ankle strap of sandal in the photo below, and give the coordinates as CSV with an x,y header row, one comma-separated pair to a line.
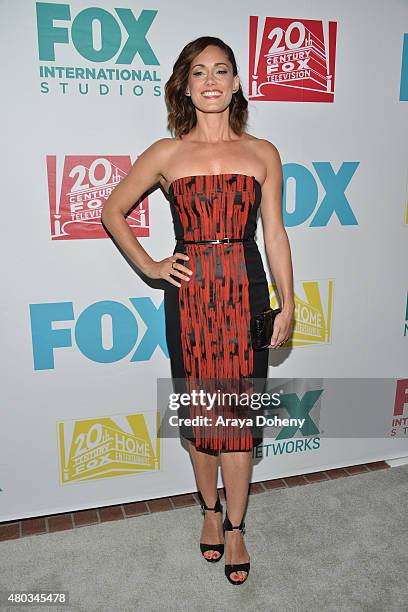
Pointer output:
x,y
204,507
228,526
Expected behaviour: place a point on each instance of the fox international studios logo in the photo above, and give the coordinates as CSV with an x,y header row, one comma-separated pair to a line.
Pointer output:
x,y
291,60
96,50
399,424
79,186
108,446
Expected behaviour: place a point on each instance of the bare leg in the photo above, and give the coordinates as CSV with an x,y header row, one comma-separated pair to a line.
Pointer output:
x,y
206,474
236,472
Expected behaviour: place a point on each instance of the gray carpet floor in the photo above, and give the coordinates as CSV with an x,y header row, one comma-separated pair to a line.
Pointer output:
x,y
332,546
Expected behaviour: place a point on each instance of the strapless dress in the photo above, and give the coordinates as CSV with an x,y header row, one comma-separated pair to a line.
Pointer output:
x,y
207,319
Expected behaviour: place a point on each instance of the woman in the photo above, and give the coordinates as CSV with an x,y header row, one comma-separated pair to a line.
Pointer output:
x,y
215,175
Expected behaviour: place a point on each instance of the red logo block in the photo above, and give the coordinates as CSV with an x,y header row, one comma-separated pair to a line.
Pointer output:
x,y
401,397
292,60
85,183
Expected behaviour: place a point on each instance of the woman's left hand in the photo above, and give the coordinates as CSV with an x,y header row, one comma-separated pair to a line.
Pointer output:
x,y
282,328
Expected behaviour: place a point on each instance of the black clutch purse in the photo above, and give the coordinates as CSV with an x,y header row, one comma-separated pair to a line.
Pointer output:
x,y
262,328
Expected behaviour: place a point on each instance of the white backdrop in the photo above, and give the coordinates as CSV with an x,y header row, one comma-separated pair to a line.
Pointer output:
x,y
83,333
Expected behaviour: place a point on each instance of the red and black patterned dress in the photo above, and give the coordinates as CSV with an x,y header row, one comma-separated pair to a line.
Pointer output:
x,y
208,317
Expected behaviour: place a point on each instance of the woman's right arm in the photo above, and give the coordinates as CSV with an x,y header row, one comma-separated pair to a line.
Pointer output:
x,y
144,174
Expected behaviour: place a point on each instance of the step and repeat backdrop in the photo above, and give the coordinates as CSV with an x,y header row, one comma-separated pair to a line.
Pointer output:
x,y
83,338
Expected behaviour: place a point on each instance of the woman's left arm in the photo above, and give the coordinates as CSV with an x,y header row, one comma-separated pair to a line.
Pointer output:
x,y
277,243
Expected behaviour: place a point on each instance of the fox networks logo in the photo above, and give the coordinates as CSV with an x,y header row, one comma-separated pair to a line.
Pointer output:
x,y
116,37
104,332
78,190
291,60
313,313
298,403
406,209
301,186
400,420
404,70
91,449
406,318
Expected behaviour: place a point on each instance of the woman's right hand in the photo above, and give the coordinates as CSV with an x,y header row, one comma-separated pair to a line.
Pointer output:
x,y
168,267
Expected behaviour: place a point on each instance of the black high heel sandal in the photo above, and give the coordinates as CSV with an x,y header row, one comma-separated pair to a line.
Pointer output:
x,y
206,547
230,568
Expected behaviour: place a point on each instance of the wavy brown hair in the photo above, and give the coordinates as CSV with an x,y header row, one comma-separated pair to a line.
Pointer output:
x,y
181,111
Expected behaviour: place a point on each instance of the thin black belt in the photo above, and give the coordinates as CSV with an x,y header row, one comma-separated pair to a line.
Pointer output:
x,y
219,241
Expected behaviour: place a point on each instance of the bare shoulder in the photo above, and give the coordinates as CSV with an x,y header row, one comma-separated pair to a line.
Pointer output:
x,y
267,151
145,173
161,149
160,153
267,156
